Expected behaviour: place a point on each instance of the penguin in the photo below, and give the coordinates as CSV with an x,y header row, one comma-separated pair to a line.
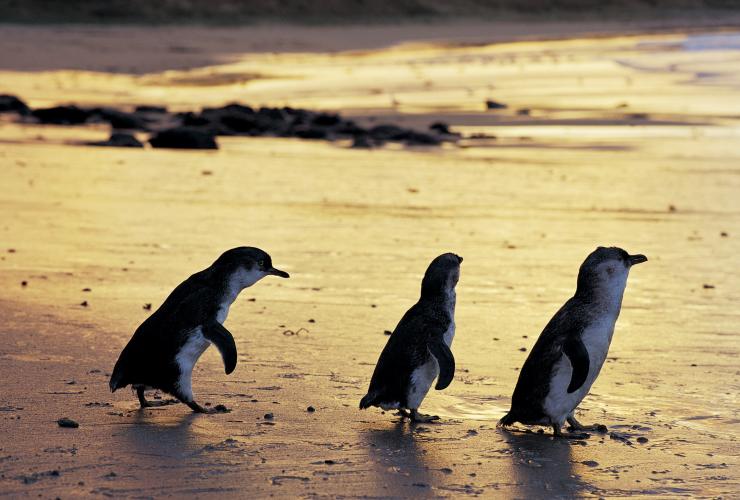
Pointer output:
x,y
570,351
164,349
418,350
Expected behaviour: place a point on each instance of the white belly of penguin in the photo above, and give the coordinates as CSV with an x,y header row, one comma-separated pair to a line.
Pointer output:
x,y
423,377
187,357
559,404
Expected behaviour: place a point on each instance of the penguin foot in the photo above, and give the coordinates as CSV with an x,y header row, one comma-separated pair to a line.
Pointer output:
x,y
421,418
575,425
571,435
163,402
403,414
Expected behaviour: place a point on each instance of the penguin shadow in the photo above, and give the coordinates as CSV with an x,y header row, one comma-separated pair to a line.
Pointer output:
x,y
397,460
165,435
542,466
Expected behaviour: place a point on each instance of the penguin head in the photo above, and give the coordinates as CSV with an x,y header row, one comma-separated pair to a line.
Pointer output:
x,y
606,270
246,265
442,274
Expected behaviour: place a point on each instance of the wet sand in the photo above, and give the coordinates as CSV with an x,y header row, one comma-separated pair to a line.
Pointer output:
x,y
628,141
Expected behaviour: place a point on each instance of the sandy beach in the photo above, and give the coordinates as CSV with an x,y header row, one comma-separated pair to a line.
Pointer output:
x,y
627,140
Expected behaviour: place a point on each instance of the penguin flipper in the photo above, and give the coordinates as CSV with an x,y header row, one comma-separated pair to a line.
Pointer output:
x,y
446,362
578,356
224,341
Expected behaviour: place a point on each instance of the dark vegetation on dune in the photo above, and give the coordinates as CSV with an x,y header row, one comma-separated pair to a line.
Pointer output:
x,y
329,11
198,130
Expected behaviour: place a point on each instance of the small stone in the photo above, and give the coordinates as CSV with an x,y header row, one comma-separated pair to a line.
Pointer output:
x,y
387,332
24,283
269,416
491,104
87,289
310,409
642,439
68,423
84,303
147,306
590,463
312,320
523,349
707,286
221,409
329,462
724,234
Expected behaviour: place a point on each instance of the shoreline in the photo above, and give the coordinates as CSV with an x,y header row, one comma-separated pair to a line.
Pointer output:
x,y
154,49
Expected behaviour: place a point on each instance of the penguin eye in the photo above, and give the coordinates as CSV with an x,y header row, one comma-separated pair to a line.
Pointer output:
x,y
261,263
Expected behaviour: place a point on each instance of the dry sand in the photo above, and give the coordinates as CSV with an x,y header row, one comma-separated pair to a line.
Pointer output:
x,y
629,141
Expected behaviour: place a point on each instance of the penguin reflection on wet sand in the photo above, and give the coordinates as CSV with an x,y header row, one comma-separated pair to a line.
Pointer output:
x,y
418,350
567,357
164,349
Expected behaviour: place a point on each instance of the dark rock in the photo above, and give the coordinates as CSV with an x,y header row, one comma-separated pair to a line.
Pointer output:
x,y
242,124
184,138
421,139
11,104
151,109
326,119
120,140
190,119
491,104
310,409
440,128
350,128
269,416
61,115
362,142
274,114
387,132
523,111
118,119
67,422
309,132
387,332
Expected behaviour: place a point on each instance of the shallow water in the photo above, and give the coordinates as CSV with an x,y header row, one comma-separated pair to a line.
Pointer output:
x,y
356,230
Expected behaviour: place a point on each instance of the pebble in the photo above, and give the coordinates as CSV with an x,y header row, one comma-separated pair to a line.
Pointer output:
x,y
67,422
310,409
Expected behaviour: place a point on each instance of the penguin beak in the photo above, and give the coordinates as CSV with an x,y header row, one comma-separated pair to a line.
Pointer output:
x,y
278,272
637,259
